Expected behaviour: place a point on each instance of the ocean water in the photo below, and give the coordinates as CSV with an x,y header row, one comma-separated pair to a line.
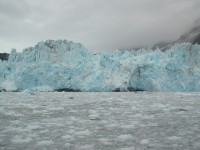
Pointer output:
x,y
99,121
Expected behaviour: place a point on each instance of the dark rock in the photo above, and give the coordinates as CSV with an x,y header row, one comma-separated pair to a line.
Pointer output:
x,y
193,36
117,90
4,56
67,90
129,89
2,90
181,109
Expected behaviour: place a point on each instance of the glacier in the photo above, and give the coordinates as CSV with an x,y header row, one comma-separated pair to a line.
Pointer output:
x,y
62,64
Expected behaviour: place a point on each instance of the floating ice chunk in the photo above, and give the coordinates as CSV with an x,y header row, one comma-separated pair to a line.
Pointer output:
x,y
83,133
45,143
85,147
8,85
21,140
125,137
144,141
174,138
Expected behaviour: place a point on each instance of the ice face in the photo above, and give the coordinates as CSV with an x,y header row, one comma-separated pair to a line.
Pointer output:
x,y
68,65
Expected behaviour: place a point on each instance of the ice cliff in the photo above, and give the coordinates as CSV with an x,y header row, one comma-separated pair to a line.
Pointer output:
x,y
54,65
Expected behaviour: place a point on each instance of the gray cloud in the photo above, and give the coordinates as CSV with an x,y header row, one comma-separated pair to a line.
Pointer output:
x,y
99,25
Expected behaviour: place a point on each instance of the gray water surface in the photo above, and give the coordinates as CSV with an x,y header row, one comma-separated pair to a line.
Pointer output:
x,y
99,121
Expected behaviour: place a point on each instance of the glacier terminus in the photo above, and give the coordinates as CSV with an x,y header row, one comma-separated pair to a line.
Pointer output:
x,y
60,64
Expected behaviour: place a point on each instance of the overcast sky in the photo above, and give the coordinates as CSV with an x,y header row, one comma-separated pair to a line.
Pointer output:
x,y
98,24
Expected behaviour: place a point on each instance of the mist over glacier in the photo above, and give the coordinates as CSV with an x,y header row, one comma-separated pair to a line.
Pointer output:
x,y
62,64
